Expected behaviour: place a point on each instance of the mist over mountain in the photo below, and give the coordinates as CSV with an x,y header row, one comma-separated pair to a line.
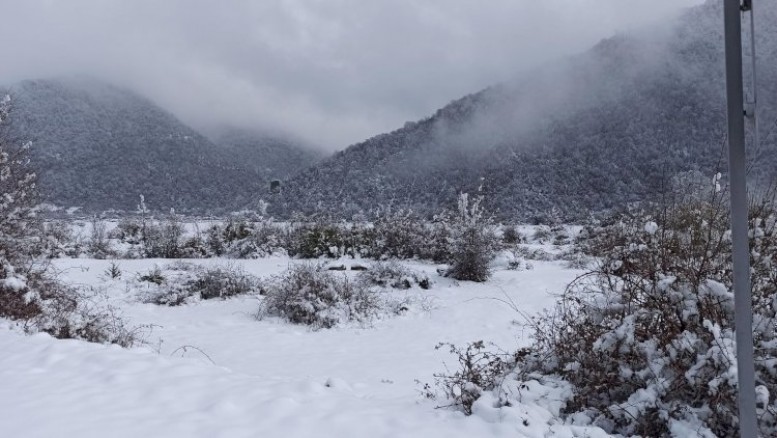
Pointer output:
x,y
275,158
590,133
594,132
100,147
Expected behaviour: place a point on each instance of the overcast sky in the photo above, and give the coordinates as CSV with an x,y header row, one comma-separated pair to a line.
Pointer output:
x,y
333,72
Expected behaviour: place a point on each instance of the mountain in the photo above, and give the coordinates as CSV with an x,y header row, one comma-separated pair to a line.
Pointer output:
x,y
274,158
100,147
594,132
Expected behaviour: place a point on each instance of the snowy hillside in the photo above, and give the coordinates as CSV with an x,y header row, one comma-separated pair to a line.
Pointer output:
x,y
99,147
594,132
269,157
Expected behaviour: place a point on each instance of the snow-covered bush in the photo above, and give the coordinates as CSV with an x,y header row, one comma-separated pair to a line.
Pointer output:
x,y
534,253
60,241
180,283
194,247
399,304
238,238
646,341
153,275
128,230
398,235
17,199
166,294
65,312
542,234
471,256
511,236
307,295
319,239
265,239
146,237
394,275
473,244
236,228
245,238
98,245
402,235
576,259
222,282
391,235
561,236
214,240
479,369
28,295
163,240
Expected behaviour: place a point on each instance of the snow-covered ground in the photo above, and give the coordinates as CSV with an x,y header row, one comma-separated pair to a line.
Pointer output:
x,y
211,369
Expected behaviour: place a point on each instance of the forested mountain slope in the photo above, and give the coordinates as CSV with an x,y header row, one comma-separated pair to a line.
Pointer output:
x,y
593,132
274,158
100,147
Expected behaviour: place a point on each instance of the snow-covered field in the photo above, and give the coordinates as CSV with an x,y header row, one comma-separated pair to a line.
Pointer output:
x,y
211,369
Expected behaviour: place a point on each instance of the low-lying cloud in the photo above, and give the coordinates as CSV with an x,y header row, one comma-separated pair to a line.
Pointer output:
x,y
331,72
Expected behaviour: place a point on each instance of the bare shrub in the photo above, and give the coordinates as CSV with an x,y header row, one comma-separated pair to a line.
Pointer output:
x,y
309,296
479,369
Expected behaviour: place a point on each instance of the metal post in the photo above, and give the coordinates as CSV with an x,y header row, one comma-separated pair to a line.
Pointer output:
x,y
743,322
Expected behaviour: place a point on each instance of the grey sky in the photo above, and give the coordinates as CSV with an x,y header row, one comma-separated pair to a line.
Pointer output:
x,y
330,71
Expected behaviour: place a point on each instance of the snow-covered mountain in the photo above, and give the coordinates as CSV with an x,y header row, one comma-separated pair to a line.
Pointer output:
x,y
593,132
276,158
100,147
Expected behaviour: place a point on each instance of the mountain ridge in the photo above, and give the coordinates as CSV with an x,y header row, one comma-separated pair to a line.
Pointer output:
x,y
100,147
591,133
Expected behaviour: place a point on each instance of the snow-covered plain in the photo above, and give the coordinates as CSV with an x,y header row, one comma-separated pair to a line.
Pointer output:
x,y
211,369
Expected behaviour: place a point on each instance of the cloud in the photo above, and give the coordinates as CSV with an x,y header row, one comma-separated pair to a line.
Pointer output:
x,y
330,71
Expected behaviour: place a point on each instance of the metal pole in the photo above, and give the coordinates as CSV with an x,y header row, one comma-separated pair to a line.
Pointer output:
x,y
743,321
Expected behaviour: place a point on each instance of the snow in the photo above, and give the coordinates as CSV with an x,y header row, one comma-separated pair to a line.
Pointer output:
x,y
14,283
211,369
